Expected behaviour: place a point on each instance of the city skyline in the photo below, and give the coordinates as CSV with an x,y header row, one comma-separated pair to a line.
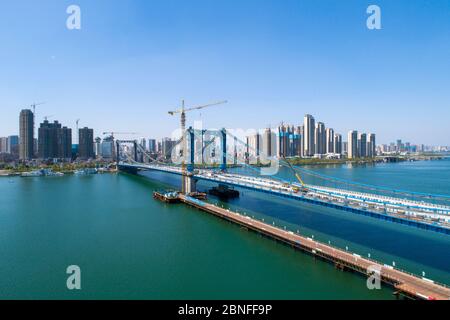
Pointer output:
x,y
132,62
303,123
312,139
287,140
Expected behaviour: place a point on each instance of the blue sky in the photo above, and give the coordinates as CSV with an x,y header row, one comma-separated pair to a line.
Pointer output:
x,y
133,60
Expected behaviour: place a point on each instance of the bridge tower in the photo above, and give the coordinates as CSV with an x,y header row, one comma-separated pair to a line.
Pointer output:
x,y
117,152
190,184
223,166
190,166
235,161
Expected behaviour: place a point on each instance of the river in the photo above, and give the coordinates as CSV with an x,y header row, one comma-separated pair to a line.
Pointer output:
x,y
130,246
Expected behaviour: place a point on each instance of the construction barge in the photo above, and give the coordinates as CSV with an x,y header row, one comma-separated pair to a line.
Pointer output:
x,y
406,284
174,196
167,196
224,192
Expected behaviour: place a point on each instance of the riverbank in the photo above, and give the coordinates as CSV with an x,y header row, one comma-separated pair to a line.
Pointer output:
x,y
363,161
18,173
318,162
5,173
65,168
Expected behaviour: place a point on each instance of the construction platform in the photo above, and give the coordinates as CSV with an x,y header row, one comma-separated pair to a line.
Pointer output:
x,y
224,192
167,196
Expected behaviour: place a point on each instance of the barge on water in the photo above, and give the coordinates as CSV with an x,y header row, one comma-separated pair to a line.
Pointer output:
x,y
167,196
170,196
224,192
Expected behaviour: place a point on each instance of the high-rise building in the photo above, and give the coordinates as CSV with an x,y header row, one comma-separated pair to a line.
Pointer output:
x,y
26,135
362,145
35,147
338,143
143,143
309,130
64,142
267,142
283,141
399,146
254,143
107,148
98,147
167,145
47,140
297,142
3,145
86,143
159,147
54,141
152,146
301,133
13,145
294,142
369,150
320,138
373,145
352,144
330,141
345,147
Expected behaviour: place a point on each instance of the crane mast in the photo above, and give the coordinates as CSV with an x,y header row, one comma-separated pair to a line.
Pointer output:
x,y
297,175
184,148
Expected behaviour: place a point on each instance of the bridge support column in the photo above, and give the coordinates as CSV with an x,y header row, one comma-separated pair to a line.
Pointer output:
x,y
235,152
191,163
117,152
203,146
190,184
223,165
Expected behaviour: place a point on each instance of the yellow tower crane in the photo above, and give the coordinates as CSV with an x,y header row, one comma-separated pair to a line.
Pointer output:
x,y
297,175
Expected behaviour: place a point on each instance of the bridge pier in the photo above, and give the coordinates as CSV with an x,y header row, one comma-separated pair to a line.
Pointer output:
x,y
191,163
339,266
117,151
190,184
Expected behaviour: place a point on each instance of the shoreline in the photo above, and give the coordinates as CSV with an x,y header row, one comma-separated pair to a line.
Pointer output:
x,y
325,162
293,161
71,172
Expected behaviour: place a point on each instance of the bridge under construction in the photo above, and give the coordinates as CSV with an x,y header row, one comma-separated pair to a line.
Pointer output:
x,y
410,212
425,211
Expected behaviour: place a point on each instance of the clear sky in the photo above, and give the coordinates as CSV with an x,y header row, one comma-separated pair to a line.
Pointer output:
x,y
133,60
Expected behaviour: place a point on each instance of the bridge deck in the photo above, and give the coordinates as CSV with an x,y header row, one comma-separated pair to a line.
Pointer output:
x,y
406,283
428,216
